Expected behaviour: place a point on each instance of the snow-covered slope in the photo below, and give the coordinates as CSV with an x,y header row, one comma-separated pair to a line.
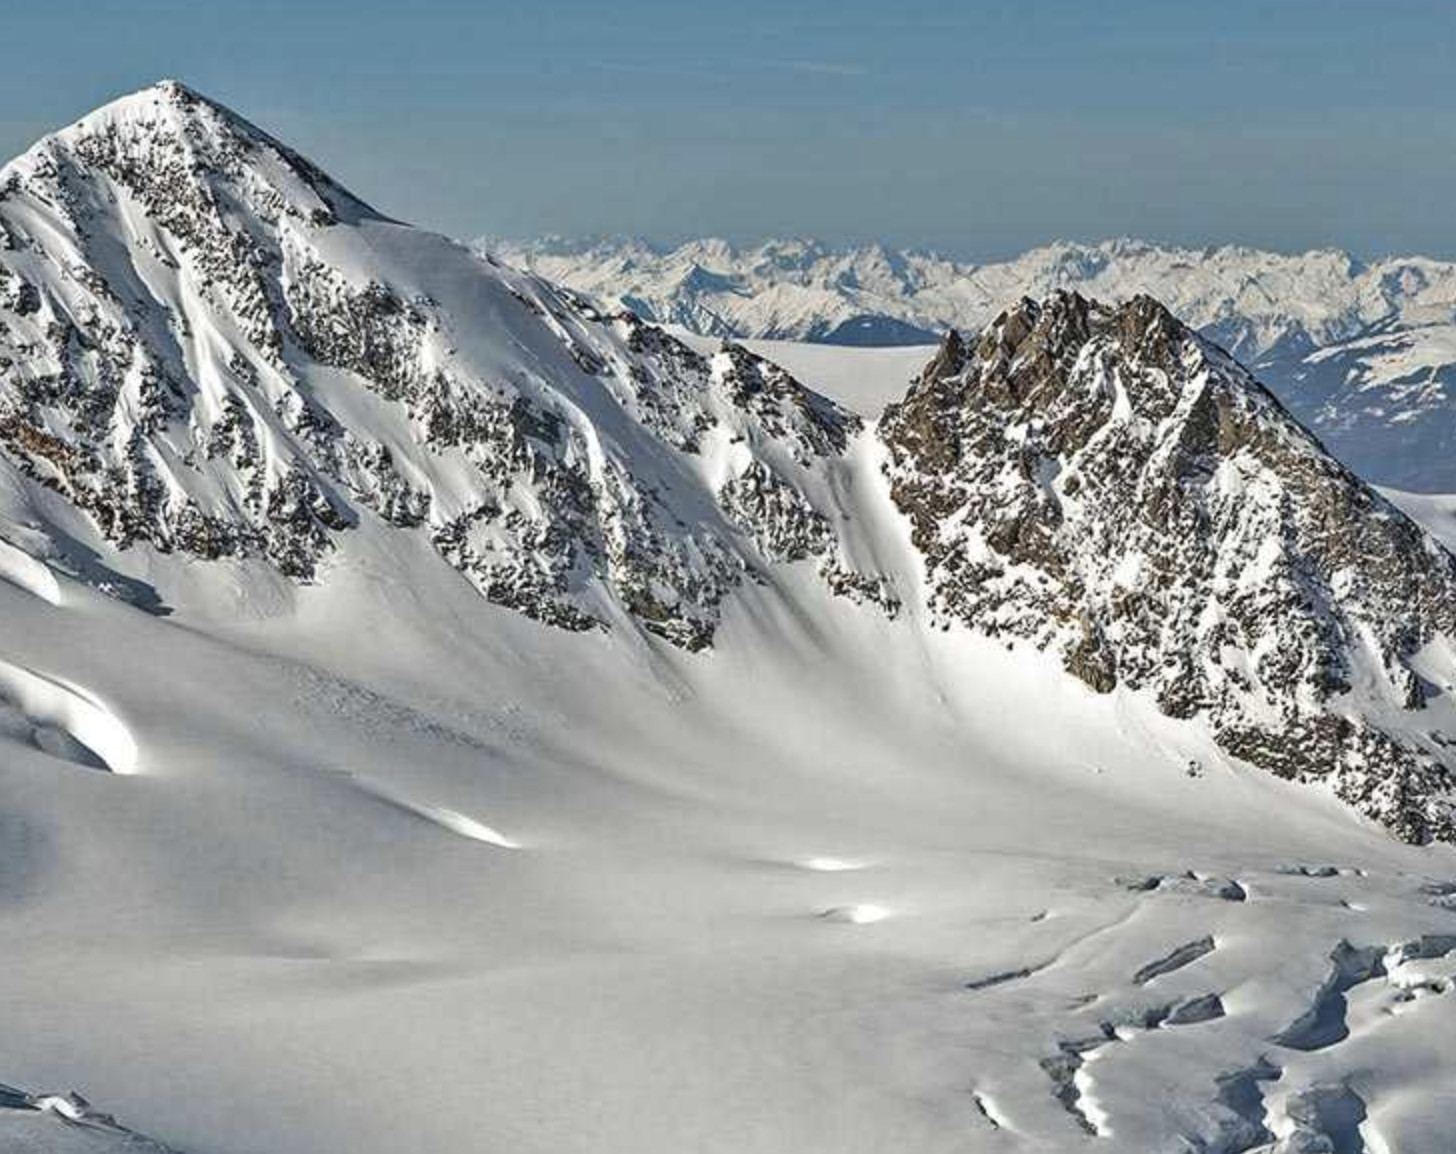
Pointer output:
x,y
1360,352
862,379
454,879
210,347
326,828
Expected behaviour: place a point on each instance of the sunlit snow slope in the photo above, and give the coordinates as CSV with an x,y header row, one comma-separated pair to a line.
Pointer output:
x,y
675,815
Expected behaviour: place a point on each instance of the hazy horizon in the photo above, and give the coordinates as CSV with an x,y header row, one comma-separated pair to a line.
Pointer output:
x,y
742,242
978,133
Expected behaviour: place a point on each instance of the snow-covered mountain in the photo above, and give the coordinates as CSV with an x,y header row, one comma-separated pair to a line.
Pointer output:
x,y
439,713
211,348
1107,483
1363,353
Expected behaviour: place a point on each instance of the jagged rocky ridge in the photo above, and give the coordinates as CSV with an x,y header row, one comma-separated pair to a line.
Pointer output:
x,y
1106,483
212,348
1364,353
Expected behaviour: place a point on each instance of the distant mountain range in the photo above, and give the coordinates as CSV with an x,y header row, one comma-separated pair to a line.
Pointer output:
x,y
1363,353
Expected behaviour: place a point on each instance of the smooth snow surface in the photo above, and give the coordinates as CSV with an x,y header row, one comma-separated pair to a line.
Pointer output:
x,y
842,885
862,379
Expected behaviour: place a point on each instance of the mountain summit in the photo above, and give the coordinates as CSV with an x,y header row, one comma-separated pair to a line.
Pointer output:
x,y
1107,483
212,348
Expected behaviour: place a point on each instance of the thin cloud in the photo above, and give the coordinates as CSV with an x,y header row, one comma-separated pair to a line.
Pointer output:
x,y
817,67
727,69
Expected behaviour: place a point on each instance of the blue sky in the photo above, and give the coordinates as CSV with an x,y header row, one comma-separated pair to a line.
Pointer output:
x,y
976,128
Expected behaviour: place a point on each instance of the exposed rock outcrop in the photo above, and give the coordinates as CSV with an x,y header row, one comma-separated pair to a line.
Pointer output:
x,y
1108,484
212,348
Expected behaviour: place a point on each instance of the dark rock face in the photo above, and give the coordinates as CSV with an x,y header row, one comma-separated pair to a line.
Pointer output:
x,y
192,317
1107,484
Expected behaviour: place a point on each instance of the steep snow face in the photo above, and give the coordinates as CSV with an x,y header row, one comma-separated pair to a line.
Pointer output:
x,y
211,348
1362,353
1108,484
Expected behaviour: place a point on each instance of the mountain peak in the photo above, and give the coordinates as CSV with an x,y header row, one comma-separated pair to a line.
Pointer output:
x,y
1102,482
166,101
172,91
168,133
1035,337
211,349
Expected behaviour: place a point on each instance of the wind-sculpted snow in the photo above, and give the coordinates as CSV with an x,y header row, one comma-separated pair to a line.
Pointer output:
x,y
65,720
64,1123
211,348
1107,484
